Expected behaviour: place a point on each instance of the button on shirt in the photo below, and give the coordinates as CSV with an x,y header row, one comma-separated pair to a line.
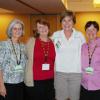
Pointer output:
x,y
91,81
68,52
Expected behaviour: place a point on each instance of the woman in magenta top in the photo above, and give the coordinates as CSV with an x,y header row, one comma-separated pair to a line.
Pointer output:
x,y
43,59
90,89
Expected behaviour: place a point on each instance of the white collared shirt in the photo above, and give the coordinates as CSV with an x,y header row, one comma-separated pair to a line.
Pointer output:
x,y
68,52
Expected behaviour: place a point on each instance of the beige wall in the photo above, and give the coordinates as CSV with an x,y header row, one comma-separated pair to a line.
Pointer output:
x,y
5,19
54,20
83,17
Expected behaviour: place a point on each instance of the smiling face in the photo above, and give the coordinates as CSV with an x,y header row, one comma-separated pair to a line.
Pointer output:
x,y
67,23
91,33
43,30
17,30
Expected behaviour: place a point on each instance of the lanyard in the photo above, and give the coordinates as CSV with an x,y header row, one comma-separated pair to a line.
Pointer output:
x,y
91,55
45,50
13,47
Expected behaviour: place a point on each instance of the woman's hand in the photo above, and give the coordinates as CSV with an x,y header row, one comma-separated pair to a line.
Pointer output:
x,y
2,90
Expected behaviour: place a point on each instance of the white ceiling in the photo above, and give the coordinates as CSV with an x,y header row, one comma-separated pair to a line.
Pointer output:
x,y
45,6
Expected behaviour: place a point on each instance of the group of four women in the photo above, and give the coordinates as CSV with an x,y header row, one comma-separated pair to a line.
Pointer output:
x,y
49,68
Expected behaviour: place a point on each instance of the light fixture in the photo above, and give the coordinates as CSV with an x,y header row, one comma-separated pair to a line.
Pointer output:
x,y
96,3
2,10
65,3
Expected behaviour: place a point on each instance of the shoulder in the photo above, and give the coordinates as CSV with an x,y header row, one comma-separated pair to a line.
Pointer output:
x,y
30,43
84,45
78,33
57,33
98,41
30,40
4,44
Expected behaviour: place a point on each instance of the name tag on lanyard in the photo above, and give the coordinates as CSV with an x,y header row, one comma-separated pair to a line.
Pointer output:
x,y
18,68
45,66
89,70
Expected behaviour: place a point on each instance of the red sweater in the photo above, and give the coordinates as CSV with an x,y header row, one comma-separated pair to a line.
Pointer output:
x,y
39,59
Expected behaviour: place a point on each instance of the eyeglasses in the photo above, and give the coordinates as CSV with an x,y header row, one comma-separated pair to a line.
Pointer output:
x,y
15,28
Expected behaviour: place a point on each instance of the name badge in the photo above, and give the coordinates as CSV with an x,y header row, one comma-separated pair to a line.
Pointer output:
x,y
89,70
45,66
18,68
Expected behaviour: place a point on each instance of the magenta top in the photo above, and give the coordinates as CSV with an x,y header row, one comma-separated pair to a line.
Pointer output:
x,y
91,81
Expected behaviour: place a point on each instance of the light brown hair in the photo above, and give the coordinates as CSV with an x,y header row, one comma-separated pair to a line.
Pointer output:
x,y
68,13
43,22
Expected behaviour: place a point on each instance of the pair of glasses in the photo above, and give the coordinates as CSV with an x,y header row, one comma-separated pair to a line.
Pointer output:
x,y
15,28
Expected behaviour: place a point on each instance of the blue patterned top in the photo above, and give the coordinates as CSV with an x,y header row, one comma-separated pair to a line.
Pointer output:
x,y
8,63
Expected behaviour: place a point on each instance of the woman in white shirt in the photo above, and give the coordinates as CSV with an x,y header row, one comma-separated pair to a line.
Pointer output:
x,y
68,43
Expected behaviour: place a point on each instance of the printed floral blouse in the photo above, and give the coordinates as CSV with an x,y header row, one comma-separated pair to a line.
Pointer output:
x,y
12,73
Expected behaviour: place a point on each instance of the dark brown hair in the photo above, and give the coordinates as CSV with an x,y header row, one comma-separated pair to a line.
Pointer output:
x,y
43,22
94,23
68,13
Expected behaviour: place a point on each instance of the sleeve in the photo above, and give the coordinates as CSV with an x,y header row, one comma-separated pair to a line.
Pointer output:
x,y
29,45
2,55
